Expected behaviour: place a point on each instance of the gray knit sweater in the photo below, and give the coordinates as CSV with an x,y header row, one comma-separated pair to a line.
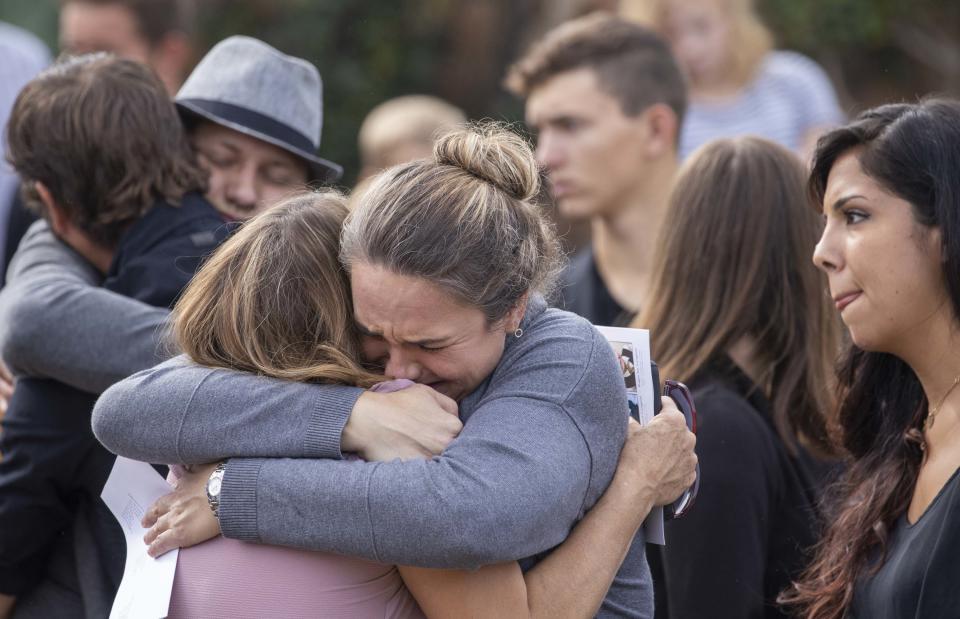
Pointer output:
x,y
539,445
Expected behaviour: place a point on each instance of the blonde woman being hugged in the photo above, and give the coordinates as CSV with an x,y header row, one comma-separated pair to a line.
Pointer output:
x,y
740,314
447,259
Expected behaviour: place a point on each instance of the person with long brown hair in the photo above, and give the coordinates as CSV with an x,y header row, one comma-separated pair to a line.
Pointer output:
x,y
738,311
890,196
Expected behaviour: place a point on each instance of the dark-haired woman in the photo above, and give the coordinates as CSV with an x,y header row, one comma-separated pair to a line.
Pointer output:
x,y
740,313
890,194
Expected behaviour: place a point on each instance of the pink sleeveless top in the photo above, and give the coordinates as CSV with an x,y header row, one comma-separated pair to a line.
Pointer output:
x,y
229,578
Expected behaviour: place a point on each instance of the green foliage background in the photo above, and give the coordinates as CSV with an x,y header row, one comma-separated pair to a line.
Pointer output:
x,y
371,50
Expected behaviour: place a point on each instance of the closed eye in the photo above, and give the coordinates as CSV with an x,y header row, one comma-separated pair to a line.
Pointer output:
x,y
432,348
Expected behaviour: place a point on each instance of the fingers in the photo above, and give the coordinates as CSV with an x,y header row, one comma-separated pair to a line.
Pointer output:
x,y
667,404
448,405
188,522
160,507
161,526
162,544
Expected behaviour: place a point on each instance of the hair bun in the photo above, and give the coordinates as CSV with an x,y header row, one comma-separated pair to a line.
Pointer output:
x,y
493,153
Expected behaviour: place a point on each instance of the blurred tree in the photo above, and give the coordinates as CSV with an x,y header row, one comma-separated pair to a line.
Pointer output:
x,y
876,50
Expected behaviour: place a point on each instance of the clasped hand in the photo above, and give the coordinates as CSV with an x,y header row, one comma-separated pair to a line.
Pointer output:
x,y
182,518
658,462
416,422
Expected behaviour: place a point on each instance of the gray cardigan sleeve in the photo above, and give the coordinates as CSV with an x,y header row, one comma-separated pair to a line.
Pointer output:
x,y
538,446
186,413
510,486
55,322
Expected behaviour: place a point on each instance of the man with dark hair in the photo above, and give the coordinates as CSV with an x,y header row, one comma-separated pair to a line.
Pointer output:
x,y
154,32
606,99
102,153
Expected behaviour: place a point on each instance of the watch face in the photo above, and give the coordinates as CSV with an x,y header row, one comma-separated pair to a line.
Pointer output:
x,y
213,487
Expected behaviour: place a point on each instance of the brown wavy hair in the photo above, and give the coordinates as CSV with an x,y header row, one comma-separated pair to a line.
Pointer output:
x,y
911,151
733,260
103,136
630,62
274,300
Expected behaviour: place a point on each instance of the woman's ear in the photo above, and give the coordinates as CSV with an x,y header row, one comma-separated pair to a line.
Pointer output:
x,y
515,315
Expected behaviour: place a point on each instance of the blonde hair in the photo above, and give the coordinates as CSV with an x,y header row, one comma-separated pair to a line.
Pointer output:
x,y
750,37
735,262
273,300
464,220
413,121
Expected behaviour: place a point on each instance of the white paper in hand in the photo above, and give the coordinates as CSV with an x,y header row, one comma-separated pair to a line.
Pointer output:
x,y
632,349
147,582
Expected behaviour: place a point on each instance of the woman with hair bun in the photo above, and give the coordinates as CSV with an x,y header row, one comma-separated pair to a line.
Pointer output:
x,y
890,196
448,262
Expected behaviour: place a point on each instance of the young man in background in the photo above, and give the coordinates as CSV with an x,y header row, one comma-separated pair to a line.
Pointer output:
x,y
606,100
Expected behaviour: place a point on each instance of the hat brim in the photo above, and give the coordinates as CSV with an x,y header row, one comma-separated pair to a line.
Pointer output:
x,y
319,169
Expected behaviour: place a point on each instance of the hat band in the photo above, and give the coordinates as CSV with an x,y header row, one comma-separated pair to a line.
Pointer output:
x,y
255,121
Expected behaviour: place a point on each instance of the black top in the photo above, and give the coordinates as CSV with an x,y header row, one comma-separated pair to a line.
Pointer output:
x,y
921,575
755,516
60,548
583,292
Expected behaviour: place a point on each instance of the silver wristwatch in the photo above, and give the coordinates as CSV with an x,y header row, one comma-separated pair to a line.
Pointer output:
x,y
214,485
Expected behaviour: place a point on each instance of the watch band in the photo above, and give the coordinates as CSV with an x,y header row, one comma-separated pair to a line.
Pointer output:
x,y
214,485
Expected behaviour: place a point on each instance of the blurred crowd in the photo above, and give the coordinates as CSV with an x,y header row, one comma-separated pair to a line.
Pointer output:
x,y
391,401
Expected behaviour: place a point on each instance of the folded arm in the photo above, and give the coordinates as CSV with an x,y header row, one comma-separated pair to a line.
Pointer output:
x,y
571,581
656,464
510,486
190,414
56,323
186,413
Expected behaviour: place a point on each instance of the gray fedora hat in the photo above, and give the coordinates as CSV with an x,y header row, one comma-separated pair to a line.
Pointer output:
x,y
246,85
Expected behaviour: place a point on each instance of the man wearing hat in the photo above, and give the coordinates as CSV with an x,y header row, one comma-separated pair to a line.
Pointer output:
x,y
255,116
